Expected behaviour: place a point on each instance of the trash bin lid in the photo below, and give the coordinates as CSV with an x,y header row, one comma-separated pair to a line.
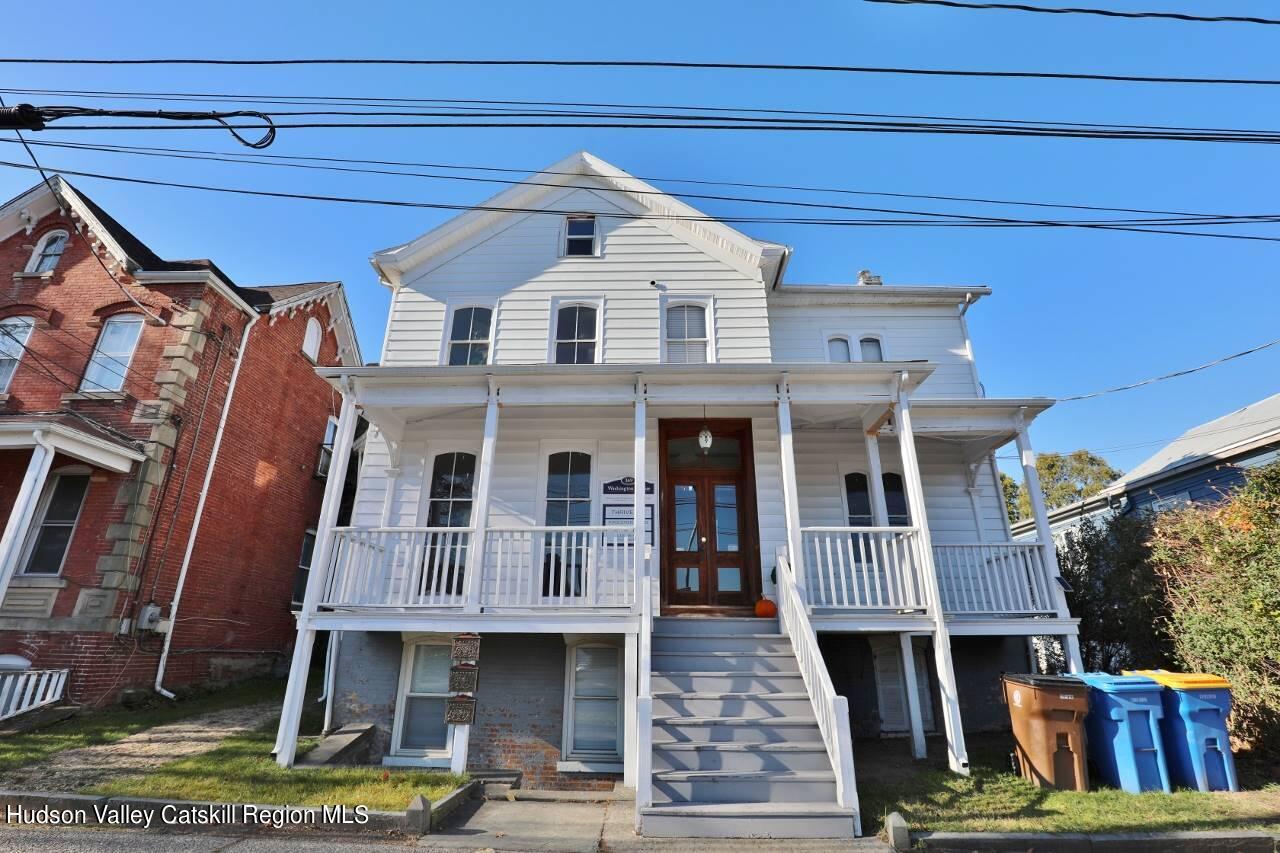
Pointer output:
x,y
1183,680
1109,683
1044,682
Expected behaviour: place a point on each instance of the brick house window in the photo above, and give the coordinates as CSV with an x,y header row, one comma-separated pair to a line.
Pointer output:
x,y
58,513
311,339
593,707
304,566
325,456
419,727
14,334
112,353
48,252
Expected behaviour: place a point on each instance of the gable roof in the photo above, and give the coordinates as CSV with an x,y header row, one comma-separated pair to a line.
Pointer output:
x,y
626,191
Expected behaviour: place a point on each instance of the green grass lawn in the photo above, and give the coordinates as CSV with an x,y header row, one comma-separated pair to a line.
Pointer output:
x,y
116,723
242,770
993,799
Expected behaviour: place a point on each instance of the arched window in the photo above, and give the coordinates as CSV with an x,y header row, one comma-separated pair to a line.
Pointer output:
x,y
452,479
838,351
576,334
469,336
687,334
568,489
895,500
871,349
112,353
311,340
857,499
48,252
14,334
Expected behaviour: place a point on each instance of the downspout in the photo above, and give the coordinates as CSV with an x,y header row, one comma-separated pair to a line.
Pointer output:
x,y
204,494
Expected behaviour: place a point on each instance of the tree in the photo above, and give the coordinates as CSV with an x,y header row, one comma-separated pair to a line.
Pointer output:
x,y
1116,594
1012,496
1067,478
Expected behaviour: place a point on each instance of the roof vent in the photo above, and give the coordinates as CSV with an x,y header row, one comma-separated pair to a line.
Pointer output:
x,y
869,279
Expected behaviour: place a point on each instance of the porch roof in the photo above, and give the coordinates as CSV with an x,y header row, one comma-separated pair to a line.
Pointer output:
x,y
71,438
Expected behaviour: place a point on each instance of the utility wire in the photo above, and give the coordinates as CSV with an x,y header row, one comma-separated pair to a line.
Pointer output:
x,y
1173,375
1109,226
1109,13
251,157
598,63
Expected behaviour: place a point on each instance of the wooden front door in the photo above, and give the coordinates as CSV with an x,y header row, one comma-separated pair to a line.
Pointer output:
x,y
710,555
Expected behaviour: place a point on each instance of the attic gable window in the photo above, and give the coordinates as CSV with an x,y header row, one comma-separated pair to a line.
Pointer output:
x,y
579,236
48,252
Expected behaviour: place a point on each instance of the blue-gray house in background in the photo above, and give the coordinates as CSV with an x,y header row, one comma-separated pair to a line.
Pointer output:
x,y
1200,466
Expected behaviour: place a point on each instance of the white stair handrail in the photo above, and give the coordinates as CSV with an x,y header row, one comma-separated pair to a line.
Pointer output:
x,y
831,709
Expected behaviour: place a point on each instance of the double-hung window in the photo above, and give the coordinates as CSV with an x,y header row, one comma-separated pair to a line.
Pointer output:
x,y
469,336
325,455
48,252
304,566
112,353
594,712
576,334
424,692
14,334
838,351
568,504
580,236
687,334
449,505
58,512
895,500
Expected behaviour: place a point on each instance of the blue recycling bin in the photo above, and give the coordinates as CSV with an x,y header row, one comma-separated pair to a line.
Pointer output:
x,y
1123,729
1196,742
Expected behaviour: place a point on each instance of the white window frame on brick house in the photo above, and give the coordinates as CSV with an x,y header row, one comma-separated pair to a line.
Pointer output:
x,y
306,555
324,455
116,363
419,757
589,761
312,339
565,237
16,332
446,332
707,302
38,522
553,337
40,254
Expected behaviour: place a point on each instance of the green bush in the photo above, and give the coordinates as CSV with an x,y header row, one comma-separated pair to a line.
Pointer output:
x,y
1221,568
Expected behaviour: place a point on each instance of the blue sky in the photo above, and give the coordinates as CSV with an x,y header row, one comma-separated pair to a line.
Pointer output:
x,y
1073,310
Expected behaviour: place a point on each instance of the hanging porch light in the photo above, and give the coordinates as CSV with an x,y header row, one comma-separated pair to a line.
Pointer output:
x,y
704,435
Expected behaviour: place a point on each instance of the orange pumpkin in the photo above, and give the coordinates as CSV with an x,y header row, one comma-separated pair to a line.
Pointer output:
x,y
766,609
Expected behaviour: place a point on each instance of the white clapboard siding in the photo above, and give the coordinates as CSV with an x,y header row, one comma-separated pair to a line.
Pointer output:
x,y
799,333
519,271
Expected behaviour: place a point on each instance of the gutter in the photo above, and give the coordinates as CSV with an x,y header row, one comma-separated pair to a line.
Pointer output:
x,y
204,494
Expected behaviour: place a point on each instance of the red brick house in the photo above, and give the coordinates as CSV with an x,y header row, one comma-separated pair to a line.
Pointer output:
x,y
161,452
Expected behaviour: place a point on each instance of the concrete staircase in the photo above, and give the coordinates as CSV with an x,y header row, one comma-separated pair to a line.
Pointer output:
x,y
736,748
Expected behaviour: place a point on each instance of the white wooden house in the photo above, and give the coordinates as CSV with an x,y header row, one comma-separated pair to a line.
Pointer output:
x,y
826,446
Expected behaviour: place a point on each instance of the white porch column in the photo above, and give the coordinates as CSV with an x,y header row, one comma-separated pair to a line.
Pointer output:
x,y
957,755
1031,482
914,714
875,478
24,510
480,502
639,552
790,492
630,729
291,712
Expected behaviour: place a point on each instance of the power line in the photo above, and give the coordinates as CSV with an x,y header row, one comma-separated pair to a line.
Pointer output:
x,y
987,222
1173,375
237,156
597,63
1109,13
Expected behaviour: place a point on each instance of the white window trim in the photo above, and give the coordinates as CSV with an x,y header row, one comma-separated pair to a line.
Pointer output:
x,y
708,303
589,761
312,323
434,450
37,520
116,363
549,446
402,695
843,471
854,337
446,330
22,347
597,241
39,249
836,336
558,302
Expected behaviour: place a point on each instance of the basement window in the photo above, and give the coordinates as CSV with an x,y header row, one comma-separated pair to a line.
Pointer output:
x,y
593,706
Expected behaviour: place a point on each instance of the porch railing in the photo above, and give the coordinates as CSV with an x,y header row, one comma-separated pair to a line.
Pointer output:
x,y
831,709
1003,578
25,690
863,568
527,567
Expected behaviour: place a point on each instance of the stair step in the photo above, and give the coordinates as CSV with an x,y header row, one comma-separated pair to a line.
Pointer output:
x,y
726,682
756,820
762,705
697,661
757,730
740,757
749,643
712,625
736,786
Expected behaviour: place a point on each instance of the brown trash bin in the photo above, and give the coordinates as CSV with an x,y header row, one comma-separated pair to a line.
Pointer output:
x,y
1048,714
